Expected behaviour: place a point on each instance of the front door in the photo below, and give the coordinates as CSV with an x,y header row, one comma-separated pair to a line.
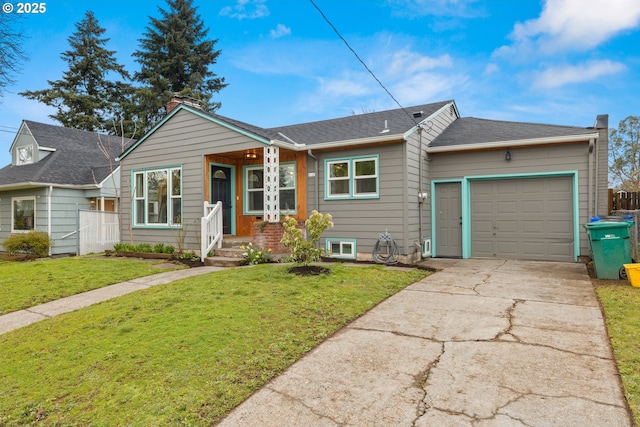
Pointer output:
x,y
448,220
221,191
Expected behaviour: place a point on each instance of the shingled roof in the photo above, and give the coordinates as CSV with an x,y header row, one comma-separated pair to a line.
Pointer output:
x,y
470,130
75,159
359,126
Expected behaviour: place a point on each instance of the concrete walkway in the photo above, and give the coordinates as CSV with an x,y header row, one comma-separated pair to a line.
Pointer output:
x,y
481,343
18,319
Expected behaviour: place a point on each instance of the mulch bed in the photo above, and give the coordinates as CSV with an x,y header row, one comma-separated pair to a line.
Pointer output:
x,y
309,270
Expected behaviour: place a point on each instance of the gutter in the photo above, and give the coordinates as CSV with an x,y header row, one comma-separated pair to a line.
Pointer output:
x,y
345,143
513,144
28,184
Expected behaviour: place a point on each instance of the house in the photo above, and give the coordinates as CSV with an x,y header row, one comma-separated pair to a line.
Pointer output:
x,y
439,184
56,172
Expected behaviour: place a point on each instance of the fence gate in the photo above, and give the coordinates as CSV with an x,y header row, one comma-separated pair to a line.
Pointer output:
x,y
97,231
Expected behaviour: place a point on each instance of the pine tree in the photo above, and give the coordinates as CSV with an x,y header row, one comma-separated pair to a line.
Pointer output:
x,y
85,98
175,57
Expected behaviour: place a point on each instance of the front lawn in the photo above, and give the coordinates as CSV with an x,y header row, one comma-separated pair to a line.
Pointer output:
x,y
621,304
25,284
180,354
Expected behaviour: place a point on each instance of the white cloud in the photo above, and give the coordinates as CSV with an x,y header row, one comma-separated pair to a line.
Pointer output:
x,y
246,9
428,87
280,31
407,62
560,76
573,25
345,87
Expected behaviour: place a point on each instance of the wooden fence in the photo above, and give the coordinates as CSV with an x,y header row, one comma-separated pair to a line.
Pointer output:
x,y
623,200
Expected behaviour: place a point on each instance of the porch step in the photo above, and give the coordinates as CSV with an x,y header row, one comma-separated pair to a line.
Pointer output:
x,y
235,242
223,261
230,252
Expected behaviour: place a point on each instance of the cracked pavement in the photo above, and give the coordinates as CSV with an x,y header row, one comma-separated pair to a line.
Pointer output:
x,y
479,343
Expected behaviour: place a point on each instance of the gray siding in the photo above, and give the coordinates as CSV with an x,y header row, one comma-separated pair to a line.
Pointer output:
x,y
566,157
182,141
415,147
64,219
64,211
398,209
365,219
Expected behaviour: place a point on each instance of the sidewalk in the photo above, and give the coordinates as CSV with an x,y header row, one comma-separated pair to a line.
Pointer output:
x,y
18,319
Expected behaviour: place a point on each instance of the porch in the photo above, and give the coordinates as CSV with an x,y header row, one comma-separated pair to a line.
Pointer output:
x,y
247,190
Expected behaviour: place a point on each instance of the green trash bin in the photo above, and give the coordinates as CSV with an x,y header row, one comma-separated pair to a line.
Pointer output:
x,y
610,245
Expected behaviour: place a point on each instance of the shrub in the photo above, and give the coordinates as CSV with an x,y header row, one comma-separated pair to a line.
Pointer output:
x,y
304,251
33,243
256,255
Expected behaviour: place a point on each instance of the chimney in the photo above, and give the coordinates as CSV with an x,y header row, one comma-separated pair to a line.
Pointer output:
x,y
178,99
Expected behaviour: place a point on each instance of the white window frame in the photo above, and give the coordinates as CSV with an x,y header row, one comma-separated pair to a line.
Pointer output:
x,y
342,244
247,190
351,177
16,199
174,219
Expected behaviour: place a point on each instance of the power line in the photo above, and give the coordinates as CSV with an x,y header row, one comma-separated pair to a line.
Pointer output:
x,y
361,61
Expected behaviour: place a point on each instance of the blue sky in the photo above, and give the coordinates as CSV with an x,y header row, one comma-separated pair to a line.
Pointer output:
x,y
551,61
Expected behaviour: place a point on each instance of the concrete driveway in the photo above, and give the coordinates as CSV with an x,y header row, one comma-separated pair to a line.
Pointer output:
x,y
480,343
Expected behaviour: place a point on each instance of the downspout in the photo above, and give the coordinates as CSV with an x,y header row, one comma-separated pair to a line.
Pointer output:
x,y
590,211
420,192
317,184
597,166
49,229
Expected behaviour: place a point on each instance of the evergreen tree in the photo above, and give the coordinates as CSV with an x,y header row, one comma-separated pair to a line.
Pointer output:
x,y
85,98
175,57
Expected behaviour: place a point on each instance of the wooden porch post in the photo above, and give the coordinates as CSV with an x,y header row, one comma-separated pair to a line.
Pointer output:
x,y
271,184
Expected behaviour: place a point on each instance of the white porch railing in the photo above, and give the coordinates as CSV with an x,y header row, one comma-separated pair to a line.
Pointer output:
x,y
98,231
210,228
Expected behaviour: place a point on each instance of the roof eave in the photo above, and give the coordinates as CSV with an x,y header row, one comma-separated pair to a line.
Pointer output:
x,y
349,142
514,143
29,184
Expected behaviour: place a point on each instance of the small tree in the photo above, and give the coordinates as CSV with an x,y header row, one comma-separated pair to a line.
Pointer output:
x,y
304,250
624,155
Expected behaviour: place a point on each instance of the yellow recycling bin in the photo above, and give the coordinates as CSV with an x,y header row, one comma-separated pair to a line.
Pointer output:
x,y
633,274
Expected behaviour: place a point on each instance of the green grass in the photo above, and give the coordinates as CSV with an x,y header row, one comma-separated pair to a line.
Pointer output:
x,y
621,304
179,354
25,284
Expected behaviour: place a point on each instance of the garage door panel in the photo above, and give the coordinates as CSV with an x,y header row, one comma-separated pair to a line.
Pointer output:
x,y
507,227
483,207
507,188
507,207
532,218
533,227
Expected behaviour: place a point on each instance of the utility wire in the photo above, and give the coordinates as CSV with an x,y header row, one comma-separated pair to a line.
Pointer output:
x,y
361,61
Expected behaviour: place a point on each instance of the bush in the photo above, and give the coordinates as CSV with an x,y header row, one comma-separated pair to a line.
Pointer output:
x,y
33,243
304,251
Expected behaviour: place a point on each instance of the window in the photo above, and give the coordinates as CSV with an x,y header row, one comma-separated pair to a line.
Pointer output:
x,y
254,189
352,178
23,214
25,155
157,197
341,248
